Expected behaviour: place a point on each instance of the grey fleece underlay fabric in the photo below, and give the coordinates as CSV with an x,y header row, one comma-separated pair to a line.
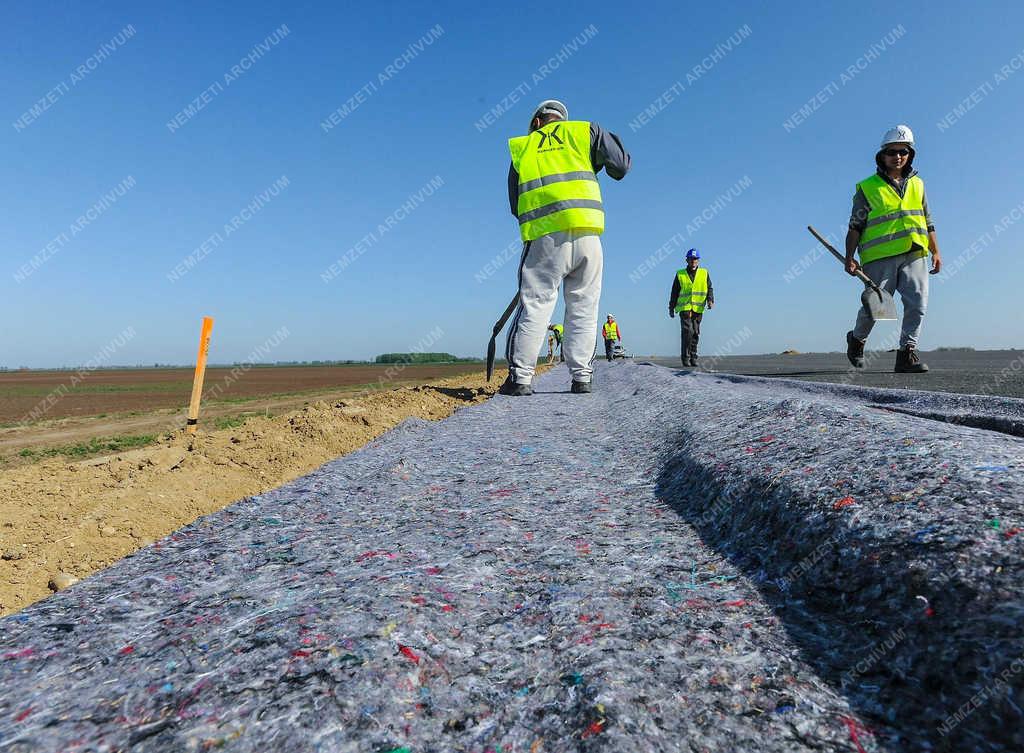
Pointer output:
x,y
674,562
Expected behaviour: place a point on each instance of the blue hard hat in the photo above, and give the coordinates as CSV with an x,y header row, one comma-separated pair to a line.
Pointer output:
x,y
693,254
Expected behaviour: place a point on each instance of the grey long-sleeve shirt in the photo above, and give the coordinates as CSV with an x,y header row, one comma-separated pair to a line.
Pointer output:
x,y
861,208
606,151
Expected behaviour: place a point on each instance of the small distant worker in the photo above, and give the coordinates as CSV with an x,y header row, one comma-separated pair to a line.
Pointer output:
x,y
555,334
554,194
611,334
892,231
691,294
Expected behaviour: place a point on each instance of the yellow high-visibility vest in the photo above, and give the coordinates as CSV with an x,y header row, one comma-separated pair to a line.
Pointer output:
x,y
558,189
610,331
895,223
693,294
559,331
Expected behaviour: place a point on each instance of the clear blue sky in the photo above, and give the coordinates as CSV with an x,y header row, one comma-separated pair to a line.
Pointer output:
x,y
423,274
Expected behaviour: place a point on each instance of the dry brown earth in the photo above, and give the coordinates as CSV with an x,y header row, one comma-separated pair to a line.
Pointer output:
x,y
77,518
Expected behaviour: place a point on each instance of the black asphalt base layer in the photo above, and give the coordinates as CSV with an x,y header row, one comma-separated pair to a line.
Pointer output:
x,y
676,562
981,372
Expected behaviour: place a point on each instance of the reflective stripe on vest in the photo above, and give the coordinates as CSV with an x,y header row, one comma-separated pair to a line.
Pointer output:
x,y
558,189
894,223
692,294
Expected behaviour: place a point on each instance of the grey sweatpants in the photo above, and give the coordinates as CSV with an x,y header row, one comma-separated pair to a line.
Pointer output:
x,y
907,275
573,260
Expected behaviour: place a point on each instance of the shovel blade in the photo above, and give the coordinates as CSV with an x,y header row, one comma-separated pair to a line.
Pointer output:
x,y
490,358
879,303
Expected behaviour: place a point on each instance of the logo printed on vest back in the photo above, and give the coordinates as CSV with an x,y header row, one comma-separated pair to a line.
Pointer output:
x,y
553,135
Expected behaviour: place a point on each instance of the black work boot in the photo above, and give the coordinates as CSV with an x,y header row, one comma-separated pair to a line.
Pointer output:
x,y
580,388
907,361
515,389
855,351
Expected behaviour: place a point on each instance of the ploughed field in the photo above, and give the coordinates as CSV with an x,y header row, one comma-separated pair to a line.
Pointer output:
x,y
27,396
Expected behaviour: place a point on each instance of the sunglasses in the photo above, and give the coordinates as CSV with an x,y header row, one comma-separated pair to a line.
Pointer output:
x,y
897,152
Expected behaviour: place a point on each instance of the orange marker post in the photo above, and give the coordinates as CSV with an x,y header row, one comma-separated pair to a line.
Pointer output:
x,y
197,380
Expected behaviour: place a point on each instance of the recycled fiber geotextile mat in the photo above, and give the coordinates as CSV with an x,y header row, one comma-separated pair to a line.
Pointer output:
x,y
676,562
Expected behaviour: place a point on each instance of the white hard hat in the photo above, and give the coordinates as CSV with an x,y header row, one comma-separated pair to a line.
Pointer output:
x,y
550,107
900,134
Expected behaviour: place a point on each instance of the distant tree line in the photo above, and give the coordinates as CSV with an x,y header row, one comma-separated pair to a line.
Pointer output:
x,y
421,358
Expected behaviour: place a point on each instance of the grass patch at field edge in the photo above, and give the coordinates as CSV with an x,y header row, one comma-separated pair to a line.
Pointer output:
x,y
233,422
95,446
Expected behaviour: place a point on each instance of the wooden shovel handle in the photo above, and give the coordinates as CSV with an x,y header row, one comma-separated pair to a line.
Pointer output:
x,y
860,274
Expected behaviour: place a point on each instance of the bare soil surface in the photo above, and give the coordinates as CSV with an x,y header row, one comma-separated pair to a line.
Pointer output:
x,y
72,519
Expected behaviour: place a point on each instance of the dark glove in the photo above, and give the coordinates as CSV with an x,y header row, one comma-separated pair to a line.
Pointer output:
x,y
671,314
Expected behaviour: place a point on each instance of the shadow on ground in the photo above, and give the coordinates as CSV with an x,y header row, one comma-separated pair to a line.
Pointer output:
x,y
855,613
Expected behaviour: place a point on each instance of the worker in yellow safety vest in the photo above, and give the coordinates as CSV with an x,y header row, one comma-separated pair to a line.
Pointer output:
x,y
555,197
891,229
610,333
692,293
555,334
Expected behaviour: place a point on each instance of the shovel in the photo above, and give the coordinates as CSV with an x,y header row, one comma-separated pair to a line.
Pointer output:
x,y
499,325
878,302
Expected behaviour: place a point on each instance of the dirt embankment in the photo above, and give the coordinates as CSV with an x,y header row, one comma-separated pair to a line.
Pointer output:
x,y
75,519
